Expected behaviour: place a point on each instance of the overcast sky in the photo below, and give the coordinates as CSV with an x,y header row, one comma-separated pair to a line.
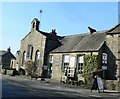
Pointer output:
x,y
67,18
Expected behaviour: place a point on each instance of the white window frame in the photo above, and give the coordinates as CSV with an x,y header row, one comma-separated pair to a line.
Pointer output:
x,y
66,62
80,63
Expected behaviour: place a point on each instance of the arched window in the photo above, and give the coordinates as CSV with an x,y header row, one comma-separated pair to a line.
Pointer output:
x,y
24,58
37,58
30,51
33,25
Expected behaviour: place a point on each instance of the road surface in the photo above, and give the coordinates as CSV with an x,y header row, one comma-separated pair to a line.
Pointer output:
x,y
24,88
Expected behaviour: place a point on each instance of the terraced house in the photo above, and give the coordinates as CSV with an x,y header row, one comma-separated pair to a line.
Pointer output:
x,y
74,56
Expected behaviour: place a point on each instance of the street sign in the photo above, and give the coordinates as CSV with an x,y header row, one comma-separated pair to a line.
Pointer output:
x,y
104,67
45,67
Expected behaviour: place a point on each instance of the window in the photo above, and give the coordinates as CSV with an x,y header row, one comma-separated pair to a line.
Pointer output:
x,y
72,61
24,58
65,63
80,63
51,58
29,51
37,58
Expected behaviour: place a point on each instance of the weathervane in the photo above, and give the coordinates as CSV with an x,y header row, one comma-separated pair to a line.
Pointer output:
x,y
40,16
41,13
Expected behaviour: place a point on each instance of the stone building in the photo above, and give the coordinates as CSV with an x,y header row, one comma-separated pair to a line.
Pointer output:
x,y
36,46
113,45
71,55
98,50
5,60
1,53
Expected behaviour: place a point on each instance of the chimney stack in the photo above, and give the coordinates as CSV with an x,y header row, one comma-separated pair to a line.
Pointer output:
x,y
54,32
91,30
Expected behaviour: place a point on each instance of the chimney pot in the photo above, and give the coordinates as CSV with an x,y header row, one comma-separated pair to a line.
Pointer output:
x,y
54,32
9,50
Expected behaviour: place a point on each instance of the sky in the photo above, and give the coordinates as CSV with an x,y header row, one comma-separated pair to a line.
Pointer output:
x,y
68,18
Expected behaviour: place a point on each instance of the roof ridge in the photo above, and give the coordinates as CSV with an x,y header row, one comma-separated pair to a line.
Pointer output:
x,y
113,27
88,33
78,34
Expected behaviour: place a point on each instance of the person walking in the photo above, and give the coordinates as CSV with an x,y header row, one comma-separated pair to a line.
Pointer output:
x,y
95,84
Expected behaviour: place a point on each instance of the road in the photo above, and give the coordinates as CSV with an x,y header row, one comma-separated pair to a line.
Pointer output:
x,y
24,88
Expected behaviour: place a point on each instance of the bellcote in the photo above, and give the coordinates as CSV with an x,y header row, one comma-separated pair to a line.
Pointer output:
x,y
35,24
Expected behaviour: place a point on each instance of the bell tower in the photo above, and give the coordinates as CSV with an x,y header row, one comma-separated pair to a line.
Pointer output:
x,y
35,24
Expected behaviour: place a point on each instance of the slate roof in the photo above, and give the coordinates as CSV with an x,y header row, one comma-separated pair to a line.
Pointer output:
x,y
92,42
48,35
9,55
2,52
81,43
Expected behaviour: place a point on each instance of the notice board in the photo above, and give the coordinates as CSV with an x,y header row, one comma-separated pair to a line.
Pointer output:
x,y
100,85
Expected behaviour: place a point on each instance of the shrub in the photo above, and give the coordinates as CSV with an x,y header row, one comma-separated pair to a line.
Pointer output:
x,y
30,68
90,64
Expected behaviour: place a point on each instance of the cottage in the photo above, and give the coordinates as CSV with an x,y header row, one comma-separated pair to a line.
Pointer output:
x,y
79,55
75,52
5,60
1,53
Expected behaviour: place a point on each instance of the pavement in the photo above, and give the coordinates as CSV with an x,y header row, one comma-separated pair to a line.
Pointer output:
x,y
48,80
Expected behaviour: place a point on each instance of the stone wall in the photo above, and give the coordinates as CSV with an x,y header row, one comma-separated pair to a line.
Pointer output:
x,y
112,85
58,62
112,49
37,40
56,68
